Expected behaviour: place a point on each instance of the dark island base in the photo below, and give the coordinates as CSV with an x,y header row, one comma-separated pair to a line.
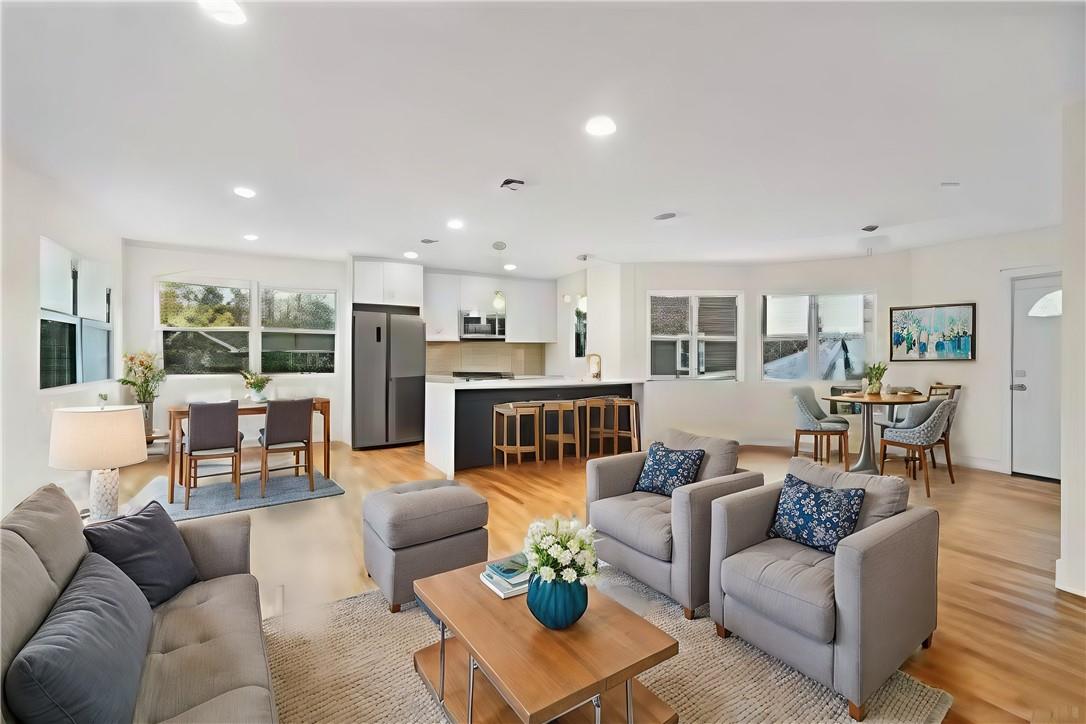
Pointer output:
x,y
475,419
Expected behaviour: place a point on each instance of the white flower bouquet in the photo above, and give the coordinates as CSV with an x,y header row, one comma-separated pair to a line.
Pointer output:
x,y
560,549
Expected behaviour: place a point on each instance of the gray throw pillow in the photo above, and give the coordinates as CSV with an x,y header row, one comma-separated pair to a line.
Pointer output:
x,y
148,547
84,662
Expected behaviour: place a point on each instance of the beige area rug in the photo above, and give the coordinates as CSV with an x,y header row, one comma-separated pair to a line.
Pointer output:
x,y
351,661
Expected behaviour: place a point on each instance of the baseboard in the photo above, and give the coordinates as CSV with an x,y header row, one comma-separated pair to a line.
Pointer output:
x,y
1066,580
965,461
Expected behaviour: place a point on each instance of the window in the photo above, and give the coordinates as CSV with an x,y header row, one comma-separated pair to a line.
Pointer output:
x,y
204,327
298,330
694,335
57,350
580,327
816,337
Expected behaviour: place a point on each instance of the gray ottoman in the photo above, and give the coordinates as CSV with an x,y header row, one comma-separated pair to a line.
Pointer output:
x,y
420,529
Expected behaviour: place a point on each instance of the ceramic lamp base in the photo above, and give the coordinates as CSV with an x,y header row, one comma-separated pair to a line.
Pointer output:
x,y
104,487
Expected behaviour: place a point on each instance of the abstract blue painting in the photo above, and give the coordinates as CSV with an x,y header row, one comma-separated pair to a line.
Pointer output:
x,y
939,332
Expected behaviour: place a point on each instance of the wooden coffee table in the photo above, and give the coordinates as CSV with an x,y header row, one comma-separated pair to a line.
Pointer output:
x,y
582,674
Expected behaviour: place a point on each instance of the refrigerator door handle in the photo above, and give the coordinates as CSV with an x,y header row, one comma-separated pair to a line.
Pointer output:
x,y
378,329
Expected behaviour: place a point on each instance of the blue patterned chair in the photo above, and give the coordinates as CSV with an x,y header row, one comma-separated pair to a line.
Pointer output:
x,y
922,429
847,619
823,429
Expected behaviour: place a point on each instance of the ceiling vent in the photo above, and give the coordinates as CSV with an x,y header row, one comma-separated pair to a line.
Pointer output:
x,y
511,184
665,216
870,227
429,241
499,246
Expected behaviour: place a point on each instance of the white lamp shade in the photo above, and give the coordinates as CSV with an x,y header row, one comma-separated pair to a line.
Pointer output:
x,y
97,438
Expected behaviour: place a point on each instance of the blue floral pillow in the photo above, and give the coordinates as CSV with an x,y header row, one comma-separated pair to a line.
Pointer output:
x,y
814,516
666,469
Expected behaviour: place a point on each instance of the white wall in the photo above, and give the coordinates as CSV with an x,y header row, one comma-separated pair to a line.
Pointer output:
x,y
34,206
757,411
146,264
560,360
1071,566
604,284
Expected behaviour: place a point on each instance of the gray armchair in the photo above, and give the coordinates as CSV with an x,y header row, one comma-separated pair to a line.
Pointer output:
x,y
846,619
664,542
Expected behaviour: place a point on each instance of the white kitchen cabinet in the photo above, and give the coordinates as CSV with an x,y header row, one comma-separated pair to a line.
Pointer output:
x,y
530,310
441,307
477,293
387,282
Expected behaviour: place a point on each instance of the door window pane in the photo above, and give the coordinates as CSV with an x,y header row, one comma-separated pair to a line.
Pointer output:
x,y
202,305
193,352
290,352
285,309
58,354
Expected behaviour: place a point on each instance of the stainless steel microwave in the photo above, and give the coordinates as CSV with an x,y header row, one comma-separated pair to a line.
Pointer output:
x,y
474,325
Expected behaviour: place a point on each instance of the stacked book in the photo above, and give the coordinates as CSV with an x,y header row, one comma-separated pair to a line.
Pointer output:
x,y
507,577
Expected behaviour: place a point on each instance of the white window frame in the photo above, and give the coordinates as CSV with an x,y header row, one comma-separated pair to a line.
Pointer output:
x,y
812,331
159,328
694,337
260,329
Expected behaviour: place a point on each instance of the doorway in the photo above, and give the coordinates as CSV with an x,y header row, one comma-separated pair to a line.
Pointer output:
x,y
1035,376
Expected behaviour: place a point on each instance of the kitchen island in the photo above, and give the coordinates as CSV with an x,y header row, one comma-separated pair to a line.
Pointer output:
x,y
459,413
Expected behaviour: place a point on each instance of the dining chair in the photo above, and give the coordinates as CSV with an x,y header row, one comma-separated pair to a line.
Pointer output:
x,y
924,427
288,428
213,435
936,391
812,420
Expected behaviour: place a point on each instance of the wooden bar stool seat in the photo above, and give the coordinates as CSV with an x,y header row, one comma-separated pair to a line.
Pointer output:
x,y
616,431
564,436
515,411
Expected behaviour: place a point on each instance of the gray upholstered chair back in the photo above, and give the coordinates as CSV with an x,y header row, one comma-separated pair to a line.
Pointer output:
x,y
808,412
289,421
927,432
213,425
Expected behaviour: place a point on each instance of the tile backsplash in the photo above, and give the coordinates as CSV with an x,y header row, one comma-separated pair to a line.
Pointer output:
x,y
510,357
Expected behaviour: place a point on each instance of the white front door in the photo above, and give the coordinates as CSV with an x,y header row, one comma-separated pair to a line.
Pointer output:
x,y
1035,376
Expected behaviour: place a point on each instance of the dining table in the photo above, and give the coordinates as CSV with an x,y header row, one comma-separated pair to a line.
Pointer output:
x,y
865,463
179,413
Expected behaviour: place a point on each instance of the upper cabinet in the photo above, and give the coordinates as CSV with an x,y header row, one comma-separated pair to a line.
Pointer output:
x,y
388,282
477,293
531,310
441,307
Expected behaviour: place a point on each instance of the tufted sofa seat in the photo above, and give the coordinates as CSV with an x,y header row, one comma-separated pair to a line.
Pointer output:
x,y
206,660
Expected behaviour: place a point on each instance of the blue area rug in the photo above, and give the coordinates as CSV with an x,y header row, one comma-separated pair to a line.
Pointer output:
x,y
215,496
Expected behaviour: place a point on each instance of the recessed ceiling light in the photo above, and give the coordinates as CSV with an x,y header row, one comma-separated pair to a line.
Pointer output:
x,y
665,216
226,12
411,254
244,192
250,237
499,246
455,223
600,126
510,267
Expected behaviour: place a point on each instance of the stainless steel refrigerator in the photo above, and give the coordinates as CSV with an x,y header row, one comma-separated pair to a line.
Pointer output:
x,y
389,377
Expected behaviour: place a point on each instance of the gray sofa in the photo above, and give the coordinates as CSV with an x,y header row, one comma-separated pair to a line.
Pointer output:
x,y
661,541
846,619
206,660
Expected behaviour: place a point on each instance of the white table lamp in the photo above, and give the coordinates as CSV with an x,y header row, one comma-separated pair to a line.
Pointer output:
x,y
99,439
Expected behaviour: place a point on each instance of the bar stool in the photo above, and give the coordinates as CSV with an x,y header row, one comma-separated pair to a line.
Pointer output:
x,y
562,438
594,432
633,434
516,410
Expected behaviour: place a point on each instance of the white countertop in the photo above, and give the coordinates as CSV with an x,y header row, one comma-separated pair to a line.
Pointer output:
x,y
523,382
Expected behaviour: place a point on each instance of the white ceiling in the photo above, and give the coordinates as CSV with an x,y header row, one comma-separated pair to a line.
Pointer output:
x,y
775,131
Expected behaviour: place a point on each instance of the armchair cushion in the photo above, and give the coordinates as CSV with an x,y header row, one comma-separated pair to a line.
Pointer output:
x,y
640,520
721,456
789,583
666,469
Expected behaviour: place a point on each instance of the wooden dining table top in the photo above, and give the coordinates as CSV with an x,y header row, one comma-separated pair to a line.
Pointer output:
x,y
245,408
880,399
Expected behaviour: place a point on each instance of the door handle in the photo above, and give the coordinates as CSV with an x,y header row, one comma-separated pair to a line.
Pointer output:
x,y
1018,388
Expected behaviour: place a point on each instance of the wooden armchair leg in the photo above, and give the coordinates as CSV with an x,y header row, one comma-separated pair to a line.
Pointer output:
x,y
856,711
926,643
688,614
722,632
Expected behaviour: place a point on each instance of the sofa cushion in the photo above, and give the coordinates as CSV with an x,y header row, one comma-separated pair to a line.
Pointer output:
x,y
884,495
815,516
423,511
84,663
50,523
721,456
666,469
148,547
786,582
640,520
206,658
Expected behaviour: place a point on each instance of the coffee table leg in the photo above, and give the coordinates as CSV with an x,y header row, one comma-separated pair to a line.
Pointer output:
x,y
441,674
629,701
597,705
472,666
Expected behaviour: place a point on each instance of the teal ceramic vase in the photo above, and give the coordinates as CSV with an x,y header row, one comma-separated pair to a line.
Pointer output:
x,y
556,605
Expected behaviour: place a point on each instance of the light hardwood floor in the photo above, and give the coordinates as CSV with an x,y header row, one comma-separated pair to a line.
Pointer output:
x,y
1009,646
